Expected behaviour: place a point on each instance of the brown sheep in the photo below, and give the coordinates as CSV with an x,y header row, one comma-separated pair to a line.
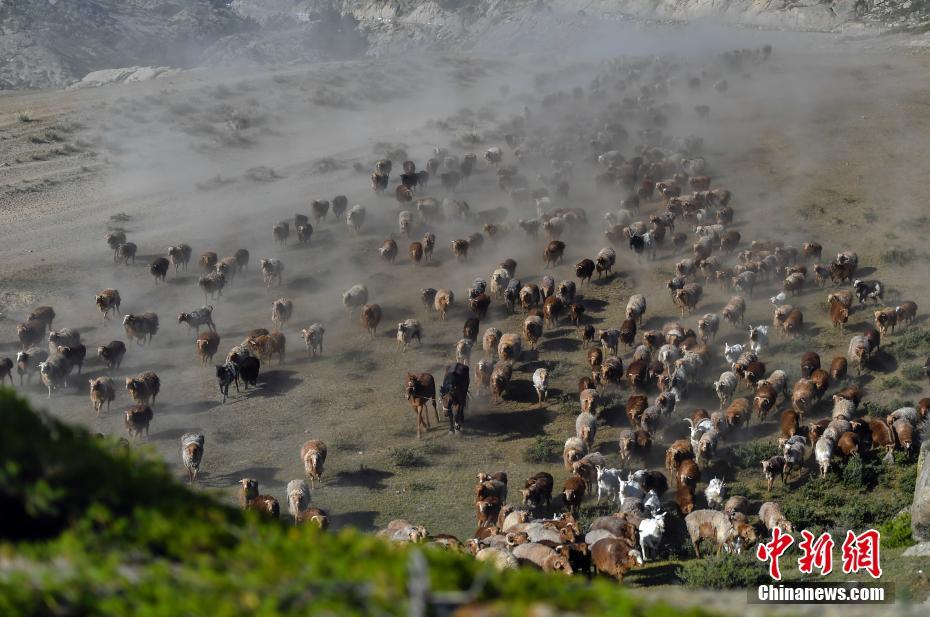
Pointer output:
x,y
552,310
313,457
738,413
684,497
793,323
821,380
838,368
553,253
144,387
688,473
614,557
101,391
108,301
802,396
371,317
790,422
839,315
849,444
679,451
636,404
249,499
885,319
267,346
573,493
906,312
138,418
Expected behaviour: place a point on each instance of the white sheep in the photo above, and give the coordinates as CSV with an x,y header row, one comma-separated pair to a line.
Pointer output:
x,y
608,484
541,384
650,534
726,387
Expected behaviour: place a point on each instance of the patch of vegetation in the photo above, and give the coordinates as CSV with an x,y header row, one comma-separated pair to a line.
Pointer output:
x,y
893,382
870,216
898,257
724,571
95,528
470,138
913,372
406,457
544,449
912,342
25,117
897,533
752,453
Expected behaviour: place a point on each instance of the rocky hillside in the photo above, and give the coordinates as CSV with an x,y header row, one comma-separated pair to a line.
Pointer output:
x,y
50,43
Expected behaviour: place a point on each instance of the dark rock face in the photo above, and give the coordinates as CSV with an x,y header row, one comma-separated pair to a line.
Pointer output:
x,y
920,509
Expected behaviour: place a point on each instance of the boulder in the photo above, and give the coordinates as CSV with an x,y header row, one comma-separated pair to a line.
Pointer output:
x,y
920,508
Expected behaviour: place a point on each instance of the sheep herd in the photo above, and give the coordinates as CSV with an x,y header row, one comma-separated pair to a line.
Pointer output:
x,y
667,214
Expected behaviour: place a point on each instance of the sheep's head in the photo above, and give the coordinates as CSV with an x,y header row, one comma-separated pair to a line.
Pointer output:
x,y
248,487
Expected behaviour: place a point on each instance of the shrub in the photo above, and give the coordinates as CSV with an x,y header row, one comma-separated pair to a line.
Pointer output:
x,y
406,457
896,533
752,453
913,372
912,342
726,571
543,450
898,257
25,116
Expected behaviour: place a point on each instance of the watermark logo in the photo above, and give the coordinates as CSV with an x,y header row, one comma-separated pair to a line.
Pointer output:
x,y
859,552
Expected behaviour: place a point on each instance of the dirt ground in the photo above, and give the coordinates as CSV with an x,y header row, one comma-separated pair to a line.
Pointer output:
x,y
824,146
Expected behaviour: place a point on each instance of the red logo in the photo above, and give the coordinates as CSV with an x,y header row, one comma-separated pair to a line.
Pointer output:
x,y
816,553
862,553
771,551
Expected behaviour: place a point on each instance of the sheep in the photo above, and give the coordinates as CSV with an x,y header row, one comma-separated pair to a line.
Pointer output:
x,y
249,499
180,256
574,450
410,329
192,454
74,355
542,557
636,308
611,371
711,525
736,505
6,370
126,252
268,345
108,301
313,456
66,337
714,493
843,408
207,345
272,271
610,340
490,341
905,434
904,413
764,399
725,387
313,338
774,466
532,330
858,352
589,400
354,297
688,297
500,558
586,428
793,451
708,325
442,301
207,262
529,297
101,391
199,317
159,269
604,263
137,419
707,447
510,347
615,557
868,290
500,378
355,217
370,317
885,319
906,312
114,240
802,396
537,491
771,516
112,353
541,384
211,285
144,387
679,451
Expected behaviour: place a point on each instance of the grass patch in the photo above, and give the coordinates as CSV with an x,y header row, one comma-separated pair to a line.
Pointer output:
x,y
912,343
913,372
752,453
893,382
406,457
544,449
726,571
25,117
898,257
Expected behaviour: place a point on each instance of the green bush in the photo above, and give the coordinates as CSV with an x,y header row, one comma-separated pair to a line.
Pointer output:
x,y
543,450
912,342
726,571
914,372
752,453
406,457
896,533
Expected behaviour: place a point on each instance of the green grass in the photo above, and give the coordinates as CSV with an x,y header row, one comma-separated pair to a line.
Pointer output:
x,y
407,457
542,450
94,527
